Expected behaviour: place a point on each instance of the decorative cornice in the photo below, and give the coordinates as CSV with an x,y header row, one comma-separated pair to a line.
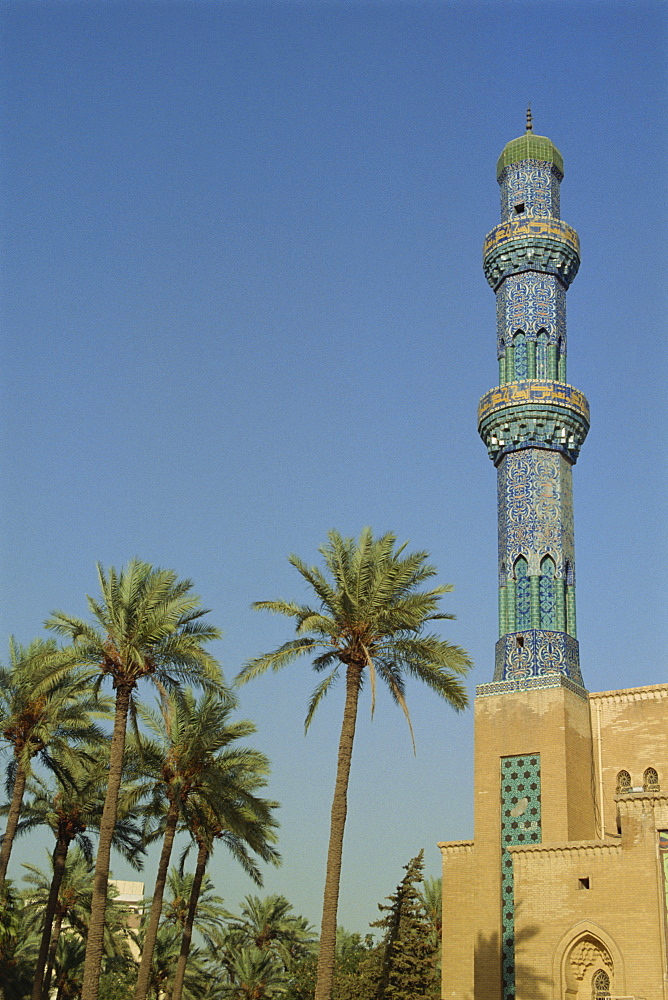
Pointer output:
x,y
536,243
580,849
633,798
647,693
533,413
456,846
536,392
530,684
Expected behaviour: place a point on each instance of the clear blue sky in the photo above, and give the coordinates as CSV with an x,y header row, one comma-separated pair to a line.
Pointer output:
x,y
242,302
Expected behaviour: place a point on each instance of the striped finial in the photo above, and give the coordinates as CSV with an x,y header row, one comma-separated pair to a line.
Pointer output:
x,y
529,120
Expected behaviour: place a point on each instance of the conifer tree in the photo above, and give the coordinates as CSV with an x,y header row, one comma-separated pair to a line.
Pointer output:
x,y
408,970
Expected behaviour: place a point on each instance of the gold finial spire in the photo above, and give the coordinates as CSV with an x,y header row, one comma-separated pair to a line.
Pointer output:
x,y
529,120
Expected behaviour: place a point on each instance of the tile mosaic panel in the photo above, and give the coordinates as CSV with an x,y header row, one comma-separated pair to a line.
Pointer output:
x,y
530,486
531,302
520,824
548,596
535,510
532,184
539,653
493,688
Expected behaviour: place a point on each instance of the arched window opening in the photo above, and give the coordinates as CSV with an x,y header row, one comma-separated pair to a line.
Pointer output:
x,y
560,374
600,984
521,361
547,595
650,780
623,782
522,595
541,355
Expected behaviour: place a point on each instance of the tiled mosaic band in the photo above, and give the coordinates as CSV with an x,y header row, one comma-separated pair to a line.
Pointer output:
x,y
534,391
533,414
530,229
551,252
529,684
537,653
520,824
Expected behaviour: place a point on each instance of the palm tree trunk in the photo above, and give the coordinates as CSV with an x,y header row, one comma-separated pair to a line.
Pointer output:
x,y
55,937
326,954
12,820
59,859
202,858
95,942
144,974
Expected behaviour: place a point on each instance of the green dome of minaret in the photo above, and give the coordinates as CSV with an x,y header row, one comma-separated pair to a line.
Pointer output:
x,y
530,147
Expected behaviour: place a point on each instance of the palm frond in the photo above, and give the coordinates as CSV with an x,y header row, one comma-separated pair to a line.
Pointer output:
x,y
319,693
279,658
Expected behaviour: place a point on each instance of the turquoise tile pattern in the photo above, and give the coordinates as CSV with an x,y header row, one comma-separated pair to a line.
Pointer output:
x,y
520,824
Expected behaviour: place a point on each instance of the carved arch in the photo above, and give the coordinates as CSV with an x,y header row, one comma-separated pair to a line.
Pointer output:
x,y
585,949
623,782
650,780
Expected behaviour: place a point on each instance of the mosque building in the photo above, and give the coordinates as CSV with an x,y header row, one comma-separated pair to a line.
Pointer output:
x,y
563,893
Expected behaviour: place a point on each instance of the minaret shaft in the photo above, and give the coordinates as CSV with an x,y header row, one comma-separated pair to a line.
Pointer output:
x,y
533,422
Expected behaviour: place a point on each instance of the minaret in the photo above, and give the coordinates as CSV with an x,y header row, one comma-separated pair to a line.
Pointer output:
x,y
533,744
549,899
533,423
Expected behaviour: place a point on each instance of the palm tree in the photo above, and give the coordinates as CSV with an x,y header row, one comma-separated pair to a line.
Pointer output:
x,y
45,705
18,945
73,909
255,974
191,757
70,926
369,618
209,922
200,975
67,967
211,912
432,898
71,810
147,626
72,903
270,925
239,818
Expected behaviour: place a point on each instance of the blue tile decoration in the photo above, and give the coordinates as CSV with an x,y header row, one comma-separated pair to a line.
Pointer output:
x,y
545,245
534,424
531,302
496,688
520,824
548,595
553,424
520,357
533,184
541,655
522,595
535,510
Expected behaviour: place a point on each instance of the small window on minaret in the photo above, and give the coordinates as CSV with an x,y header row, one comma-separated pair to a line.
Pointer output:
x,y
583,883
519,208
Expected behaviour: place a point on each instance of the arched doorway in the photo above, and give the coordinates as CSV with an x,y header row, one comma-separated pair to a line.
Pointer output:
x,y
589,964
